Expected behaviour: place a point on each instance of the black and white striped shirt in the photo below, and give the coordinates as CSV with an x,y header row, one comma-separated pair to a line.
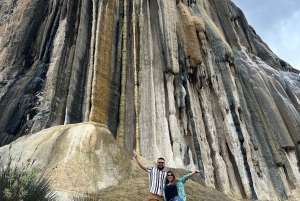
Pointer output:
x,y
157,180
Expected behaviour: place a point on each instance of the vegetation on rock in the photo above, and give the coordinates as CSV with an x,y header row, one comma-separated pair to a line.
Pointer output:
x,y
23,184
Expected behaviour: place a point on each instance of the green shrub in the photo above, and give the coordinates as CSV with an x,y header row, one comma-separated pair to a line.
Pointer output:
x,y
20,184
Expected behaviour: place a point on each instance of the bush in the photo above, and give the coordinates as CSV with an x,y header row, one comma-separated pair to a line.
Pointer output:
x,y
20,184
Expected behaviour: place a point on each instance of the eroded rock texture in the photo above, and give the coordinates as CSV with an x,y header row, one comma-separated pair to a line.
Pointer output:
x,y
85,158
188,80
78,158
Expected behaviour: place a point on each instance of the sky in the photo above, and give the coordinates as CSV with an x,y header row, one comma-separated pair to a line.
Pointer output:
x,y
277,22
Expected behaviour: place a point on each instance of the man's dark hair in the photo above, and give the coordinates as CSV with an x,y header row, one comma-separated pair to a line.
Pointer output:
x,y
161,158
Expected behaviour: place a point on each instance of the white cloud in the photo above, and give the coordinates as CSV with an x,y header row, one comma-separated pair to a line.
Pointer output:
x,y
289,40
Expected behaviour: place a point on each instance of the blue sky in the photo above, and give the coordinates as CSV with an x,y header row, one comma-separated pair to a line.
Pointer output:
x,y
277,22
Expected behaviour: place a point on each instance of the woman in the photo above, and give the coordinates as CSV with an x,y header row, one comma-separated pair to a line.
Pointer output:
x,y
174,190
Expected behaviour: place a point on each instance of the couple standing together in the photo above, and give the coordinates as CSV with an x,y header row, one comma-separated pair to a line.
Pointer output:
x,y
162,185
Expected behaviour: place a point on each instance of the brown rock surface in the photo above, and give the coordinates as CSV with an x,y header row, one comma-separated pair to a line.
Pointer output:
x,y
85,159
188,80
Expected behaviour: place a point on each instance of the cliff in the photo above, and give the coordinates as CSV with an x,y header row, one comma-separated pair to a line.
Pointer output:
x,y
188,80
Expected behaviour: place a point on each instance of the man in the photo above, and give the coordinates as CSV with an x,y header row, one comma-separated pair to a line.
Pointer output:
x,y
157,178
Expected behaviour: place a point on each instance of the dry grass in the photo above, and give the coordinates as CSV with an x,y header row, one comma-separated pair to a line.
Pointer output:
x,y
136,189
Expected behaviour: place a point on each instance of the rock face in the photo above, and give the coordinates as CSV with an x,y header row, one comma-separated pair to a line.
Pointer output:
x,y
80,158
85,159
188,80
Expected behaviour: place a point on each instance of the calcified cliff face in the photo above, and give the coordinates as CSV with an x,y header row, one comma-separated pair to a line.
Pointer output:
x,y
188,80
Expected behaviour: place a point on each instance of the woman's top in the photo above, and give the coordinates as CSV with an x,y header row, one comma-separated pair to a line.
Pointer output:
x,y
170,191
180,187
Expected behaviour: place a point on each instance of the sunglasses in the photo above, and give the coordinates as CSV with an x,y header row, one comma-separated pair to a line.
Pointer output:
x,y
170,175
160,162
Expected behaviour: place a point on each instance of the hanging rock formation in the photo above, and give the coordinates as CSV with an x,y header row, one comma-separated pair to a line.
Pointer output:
x,y
188,80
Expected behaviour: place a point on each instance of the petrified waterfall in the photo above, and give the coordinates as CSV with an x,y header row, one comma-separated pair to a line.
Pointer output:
x,y
188,80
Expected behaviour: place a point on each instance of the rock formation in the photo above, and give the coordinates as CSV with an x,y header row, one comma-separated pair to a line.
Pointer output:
x,y
77,157
85,159
188,80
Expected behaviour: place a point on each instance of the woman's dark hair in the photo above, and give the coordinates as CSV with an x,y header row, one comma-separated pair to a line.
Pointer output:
x,y
170,172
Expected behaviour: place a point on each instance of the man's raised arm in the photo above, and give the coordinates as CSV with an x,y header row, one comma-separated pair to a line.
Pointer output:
x,y
135,155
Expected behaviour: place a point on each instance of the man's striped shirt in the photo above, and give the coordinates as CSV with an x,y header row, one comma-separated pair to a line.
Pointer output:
x,y
157,180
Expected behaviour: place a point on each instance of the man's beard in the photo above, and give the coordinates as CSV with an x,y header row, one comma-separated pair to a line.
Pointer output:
x,y
160,168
